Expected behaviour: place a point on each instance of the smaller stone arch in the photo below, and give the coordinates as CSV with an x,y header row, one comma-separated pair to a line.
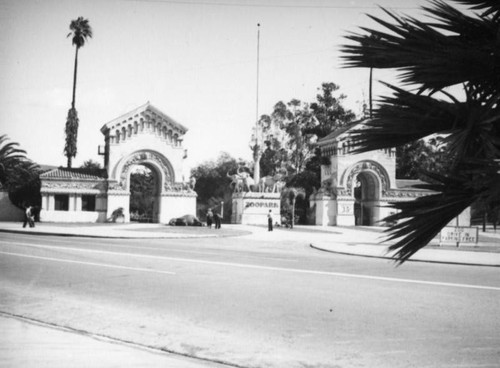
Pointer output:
x,y
367,165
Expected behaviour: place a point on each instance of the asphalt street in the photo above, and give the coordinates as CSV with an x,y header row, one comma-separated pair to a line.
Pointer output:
x,y
248,303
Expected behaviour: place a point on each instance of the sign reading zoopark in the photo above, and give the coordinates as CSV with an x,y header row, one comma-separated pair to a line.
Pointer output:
x,y
261,204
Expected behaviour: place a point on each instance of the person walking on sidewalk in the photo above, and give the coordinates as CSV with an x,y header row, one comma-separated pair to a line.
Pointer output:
x,y
217,219
270,221
29,217
210,217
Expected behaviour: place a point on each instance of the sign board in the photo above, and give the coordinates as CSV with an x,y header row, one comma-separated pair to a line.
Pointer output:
x,y
459,234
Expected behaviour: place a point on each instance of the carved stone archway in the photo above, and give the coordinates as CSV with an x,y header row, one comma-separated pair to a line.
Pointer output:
x,y
159,163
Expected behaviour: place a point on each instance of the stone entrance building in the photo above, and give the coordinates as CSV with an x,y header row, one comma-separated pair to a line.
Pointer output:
x,y
143,137
356,188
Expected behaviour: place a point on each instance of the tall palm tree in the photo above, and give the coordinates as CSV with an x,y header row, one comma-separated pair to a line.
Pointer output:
x,y
80,31
453,49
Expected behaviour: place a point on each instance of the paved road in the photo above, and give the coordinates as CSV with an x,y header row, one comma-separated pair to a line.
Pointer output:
x,y
265,303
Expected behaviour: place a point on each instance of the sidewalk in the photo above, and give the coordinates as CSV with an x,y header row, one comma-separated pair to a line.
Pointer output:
x,y
29,344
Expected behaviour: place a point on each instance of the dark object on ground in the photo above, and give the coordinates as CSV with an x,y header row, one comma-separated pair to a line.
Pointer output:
x,y
186,220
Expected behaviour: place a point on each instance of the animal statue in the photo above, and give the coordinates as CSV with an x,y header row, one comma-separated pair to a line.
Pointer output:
x,y
248,182
236,182
271,183
192,182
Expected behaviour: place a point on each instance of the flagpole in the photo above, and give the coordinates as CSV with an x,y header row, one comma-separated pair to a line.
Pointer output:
x,y
256,170
258,56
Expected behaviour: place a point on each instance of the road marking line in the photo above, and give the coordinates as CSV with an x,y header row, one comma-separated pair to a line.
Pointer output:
x,y
269,268
214,253
105,265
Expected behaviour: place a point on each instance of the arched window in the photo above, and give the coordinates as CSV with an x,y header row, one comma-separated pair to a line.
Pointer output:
x,y
117,136
124,133
136,127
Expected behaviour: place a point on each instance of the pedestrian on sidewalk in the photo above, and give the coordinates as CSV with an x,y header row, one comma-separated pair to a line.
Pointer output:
x,y
217,220
210,217
29,217
270,221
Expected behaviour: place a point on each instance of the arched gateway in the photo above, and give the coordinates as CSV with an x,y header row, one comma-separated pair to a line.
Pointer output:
x,y
143,137
356,188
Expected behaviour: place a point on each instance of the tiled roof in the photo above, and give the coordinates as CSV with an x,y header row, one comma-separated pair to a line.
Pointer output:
x,y
146,108
76,173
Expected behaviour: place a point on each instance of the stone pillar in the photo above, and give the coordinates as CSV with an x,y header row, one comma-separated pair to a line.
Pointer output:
x,y
325,210
78,202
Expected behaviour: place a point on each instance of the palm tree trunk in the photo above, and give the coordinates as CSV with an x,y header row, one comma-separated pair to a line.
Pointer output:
x,y
74,78
69,162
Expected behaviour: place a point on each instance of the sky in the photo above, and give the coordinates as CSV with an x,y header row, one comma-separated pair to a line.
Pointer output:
x,y
195,60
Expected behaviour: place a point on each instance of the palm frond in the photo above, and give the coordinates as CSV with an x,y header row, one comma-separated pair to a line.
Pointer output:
x,y
466,52
419,221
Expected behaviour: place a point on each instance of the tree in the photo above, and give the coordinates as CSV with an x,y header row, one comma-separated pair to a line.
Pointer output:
x,y
91,165
18,174
80,31
212,183
453,50
416,158
329,111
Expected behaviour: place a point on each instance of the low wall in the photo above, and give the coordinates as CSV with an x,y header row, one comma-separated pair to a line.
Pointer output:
x,y
252,208
72,216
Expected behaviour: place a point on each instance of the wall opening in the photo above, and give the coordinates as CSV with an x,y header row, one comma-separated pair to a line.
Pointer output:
x,y
144,193
366,199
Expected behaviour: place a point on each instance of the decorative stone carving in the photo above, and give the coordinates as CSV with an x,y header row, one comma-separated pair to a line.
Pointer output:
x,y
144,157
367,165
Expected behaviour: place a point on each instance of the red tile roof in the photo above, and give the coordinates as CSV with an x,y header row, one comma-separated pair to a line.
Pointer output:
x,y
76,173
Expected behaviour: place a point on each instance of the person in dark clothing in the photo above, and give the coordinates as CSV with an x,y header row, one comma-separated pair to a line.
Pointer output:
x,y
217,220
210,217
270,221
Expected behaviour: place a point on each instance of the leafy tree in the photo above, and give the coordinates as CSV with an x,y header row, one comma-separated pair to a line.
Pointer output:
x,y
329,111
212,184
454,49
142,191
295,118
414,159
80,31
91,165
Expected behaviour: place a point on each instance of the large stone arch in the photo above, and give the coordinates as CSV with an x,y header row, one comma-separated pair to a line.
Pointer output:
x,y
152,159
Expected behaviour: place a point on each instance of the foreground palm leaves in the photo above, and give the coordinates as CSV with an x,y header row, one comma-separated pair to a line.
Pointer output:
x,y
455,49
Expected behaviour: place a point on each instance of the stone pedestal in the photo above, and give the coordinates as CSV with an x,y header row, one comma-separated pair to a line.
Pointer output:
x,y
252,208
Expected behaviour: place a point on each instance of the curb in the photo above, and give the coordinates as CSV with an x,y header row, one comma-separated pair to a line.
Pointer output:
x,y
408,260
112,340
179,236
